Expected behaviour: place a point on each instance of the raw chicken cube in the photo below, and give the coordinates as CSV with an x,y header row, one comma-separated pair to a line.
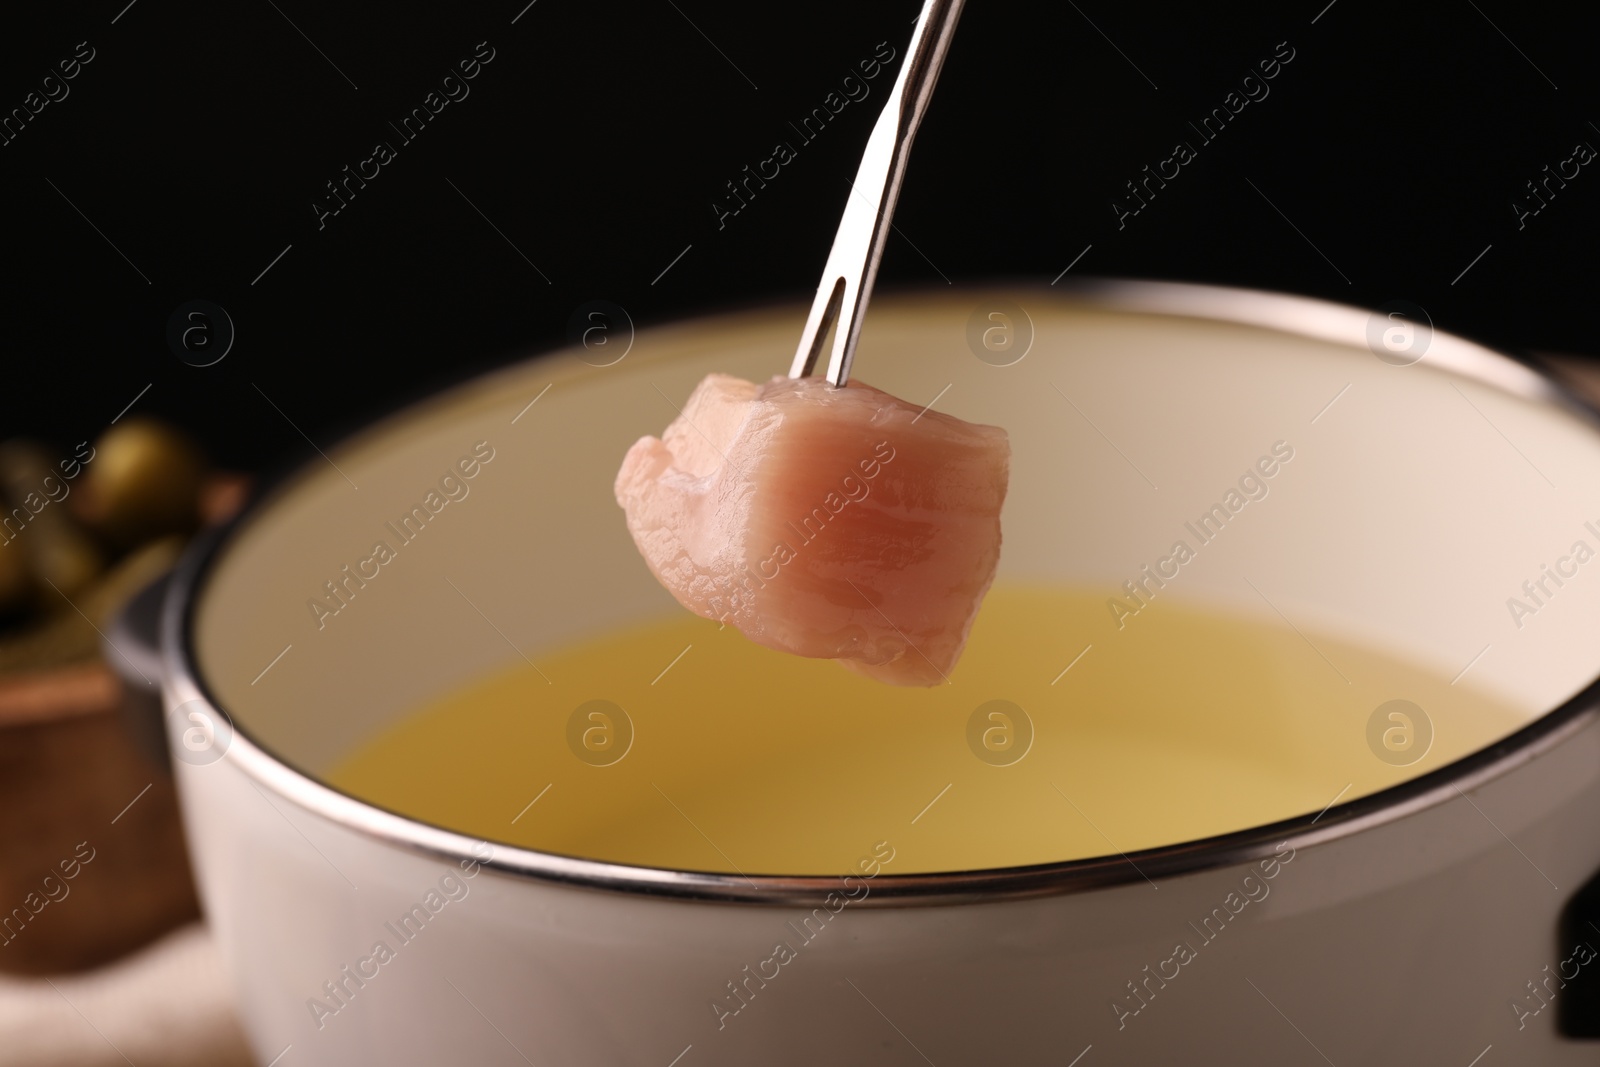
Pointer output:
x,y
832,523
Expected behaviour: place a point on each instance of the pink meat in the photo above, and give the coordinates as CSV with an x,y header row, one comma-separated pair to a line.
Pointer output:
x,y
832,523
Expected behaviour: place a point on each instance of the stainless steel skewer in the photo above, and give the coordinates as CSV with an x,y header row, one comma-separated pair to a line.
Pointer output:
x,y
853,263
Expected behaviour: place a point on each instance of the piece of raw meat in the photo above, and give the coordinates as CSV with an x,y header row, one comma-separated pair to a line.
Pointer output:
x,y
833,523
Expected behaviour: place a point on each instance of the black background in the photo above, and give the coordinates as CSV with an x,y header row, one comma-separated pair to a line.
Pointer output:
x,y
597,139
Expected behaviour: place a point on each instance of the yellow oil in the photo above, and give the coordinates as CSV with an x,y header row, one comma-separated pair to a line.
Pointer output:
x,y
1183,725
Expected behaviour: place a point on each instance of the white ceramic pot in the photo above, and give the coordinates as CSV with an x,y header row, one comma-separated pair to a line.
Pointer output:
x,y
1401,927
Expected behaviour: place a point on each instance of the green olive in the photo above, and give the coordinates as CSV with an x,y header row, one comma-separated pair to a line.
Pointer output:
x,y
37,527
16,584
142,481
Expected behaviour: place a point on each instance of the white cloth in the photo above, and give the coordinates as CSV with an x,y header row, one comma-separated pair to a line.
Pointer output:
x,y
167,1005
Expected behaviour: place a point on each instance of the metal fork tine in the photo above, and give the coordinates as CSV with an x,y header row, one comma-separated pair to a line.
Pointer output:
x,y
852,266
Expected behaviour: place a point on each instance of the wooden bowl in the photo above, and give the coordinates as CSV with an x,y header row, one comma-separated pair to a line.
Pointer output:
x,y
92,856
92,859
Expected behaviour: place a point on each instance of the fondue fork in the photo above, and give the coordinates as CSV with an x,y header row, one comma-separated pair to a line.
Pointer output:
x,y
853,263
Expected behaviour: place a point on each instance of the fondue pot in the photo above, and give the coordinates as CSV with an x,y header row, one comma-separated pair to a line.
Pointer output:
x,y
1449,916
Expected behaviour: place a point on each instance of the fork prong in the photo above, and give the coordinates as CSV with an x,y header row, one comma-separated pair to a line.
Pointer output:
x,y
822,316
852,266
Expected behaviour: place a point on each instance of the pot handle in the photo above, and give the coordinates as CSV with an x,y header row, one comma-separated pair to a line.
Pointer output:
x,y
1578,1001
131,646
